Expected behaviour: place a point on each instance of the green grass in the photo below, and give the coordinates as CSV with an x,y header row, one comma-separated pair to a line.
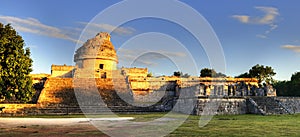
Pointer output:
x,y
242,125
224,125
235,125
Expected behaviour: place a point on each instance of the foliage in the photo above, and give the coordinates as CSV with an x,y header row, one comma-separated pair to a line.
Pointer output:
x,y
244,75
180,74
15,65
282,88
289,88
261,72
206,72
150,74
296,77
186,75
177,73
219,74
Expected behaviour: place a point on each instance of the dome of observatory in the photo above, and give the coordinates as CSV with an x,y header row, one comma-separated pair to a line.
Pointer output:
x,y
99,47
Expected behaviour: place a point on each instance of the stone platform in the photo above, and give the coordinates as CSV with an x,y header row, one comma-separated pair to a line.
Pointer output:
x,y
59,97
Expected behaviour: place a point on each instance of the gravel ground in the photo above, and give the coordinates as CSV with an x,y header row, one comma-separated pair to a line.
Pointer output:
x,y
51,127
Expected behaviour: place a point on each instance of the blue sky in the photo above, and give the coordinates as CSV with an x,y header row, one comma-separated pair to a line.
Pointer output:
x,y
250,32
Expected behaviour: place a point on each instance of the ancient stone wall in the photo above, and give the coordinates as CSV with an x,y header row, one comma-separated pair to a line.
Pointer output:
x,y
291,103
57,91
225,106
135,72
239,105
60,91
62,71
36,78
266,106
58,97
16,109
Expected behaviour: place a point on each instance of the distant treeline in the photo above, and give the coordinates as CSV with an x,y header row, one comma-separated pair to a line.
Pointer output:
x,y
289,88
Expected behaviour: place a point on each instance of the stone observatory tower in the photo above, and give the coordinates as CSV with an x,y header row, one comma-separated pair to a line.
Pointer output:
x,y
96,58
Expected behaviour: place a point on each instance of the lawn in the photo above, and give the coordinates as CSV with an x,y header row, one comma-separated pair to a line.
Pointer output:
x,y
237,125
242,125
225,125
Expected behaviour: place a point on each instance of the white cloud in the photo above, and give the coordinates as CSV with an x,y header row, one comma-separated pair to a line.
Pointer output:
x,y
172,54
32,25
242,18
107,27
270,15
269,18
294,48
272,27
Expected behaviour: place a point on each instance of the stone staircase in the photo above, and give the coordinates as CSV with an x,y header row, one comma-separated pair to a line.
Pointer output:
x,y
167,104
60,96
58,92
267,106
77,95
254,108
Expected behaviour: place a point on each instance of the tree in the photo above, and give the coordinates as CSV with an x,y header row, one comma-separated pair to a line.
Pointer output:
x,y
150,74
185,75
180,74
244,75
282,88
220,75
15,65
294,85
206,72
261,72
177,73
289,88
296,77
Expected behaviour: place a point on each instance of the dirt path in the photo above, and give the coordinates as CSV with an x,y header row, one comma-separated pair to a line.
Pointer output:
x,y
49,127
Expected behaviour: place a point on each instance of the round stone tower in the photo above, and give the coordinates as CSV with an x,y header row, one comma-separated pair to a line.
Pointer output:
x,y
96,57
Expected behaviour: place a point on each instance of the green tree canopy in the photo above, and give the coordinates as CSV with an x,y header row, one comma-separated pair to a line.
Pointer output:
x,y
180,74
206,72
150,74
15,65
244,75
289,88
186,75
177,74
296,77
261,72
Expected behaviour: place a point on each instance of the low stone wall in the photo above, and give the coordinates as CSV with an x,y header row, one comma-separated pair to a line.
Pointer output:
x,y
62,71
239,105
292,103
216,106
16,109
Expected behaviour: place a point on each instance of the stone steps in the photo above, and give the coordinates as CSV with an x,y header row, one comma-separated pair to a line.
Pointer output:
x,y
77,110
58,96
269,105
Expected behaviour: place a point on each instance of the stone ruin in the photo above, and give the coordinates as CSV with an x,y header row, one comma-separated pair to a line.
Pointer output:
x,y
96,68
